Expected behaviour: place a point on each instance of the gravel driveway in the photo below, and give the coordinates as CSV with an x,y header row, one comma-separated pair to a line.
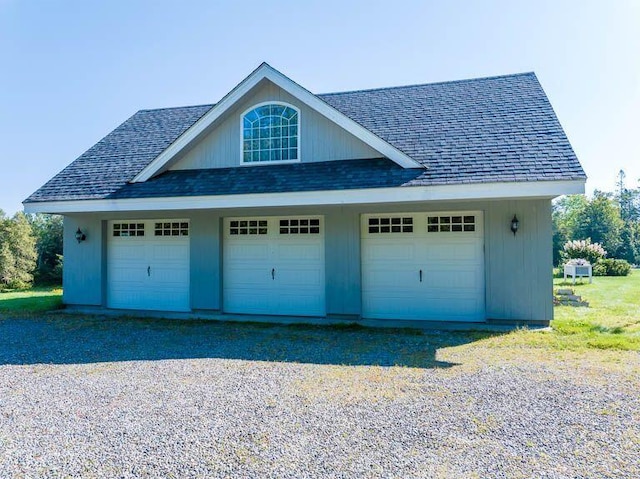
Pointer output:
x,y
157,398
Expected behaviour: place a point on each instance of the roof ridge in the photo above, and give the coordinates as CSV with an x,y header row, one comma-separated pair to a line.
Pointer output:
x,y
397,87
210,105
494,77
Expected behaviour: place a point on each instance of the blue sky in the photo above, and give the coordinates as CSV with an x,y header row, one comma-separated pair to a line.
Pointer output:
x,y
74,70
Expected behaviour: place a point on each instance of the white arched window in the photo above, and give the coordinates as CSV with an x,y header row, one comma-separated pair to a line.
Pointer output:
x,y
270,132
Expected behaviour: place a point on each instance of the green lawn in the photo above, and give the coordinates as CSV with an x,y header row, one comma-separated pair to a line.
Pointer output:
x,y
612,320
35,300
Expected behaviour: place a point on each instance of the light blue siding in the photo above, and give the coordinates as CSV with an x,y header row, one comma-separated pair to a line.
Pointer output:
x,y
342,253
517,268
84,273
205,262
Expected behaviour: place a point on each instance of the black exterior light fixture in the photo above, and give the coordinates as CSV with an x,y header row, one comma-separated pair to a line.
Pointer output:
x,y
80,236
514,225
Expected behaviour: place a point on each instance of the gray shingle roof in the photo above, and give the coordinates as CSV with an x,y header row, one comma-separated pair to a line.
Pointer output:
x,y
482,130
329,175
489,129
118,157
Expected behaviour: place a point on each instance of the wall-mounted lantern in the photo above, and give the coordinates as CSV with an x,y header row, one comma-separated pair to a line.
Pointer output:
x,y
514,225
80,236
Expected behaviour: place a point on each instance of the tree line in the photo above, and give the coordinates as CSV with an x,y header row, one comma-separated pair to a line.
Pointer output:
x,y
611,219
30,250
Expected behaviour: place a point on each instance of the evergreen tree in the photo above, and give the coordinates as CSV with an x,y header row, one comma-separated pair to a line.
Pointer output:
x,y
628,199
630,240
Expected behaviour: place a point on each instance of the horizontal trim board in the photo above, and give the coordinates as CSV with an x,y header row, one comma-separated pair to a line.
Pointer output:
x,y
458,192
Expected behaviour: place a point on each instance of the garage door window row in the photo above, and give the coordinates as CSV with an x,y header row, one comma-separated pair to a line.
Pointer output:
x,y
126,230
447,224
300,226
171,229
248,227
391,224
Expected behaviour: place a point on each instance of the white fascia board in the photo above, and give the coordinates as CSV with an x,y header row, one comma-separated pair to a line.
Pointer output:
x,y
291,87
459,192
199,126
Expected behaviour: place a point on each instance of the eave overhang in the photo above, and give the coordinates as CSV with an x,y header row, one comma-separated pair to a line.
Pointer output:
x,y
410,194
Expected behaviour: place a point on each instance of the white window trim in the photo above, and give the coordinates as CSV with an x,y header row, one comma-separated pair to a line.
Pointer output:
x,y
264,163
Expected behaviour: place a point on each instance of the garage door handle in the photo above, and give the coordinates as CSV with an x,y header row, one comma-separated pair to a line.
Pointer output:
x,y
273,273
421,276
148,270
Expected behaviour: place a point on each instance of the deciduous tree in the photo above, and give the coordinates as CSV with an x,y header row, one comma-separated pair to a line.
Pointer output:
x,y
17,251
48,232
600,220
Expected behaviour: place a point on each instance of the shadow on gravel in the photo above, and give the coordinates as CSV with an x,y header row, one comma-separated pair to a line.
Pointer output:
x,y
60,339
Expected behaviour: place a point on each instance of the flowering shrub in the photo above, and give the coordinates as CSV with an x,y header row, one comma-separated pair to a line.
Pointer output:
x,y
583,249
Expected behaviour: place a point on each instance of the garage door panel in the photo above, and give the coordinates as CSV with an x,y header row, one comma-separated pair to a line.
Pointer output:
x,y
301,304
169,277
127,298
148,267
466,309
241,273
280,271
444,283
452,251
127,272
449,279
126,276
387,308
244,276
449,294
122,253
385,300
165,299
445,247
246,301
170,253
171,288
390,251
386,278
295,252
434,309
301,278
241,252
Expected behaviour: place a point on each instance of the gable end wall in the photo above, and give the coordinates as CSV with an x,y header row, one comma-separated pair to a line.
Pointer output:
x,y
320,139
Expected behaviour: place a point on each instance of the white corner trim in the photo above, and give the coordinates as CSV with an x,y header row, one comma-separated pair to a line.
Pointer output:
x,y
459,192
302,94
